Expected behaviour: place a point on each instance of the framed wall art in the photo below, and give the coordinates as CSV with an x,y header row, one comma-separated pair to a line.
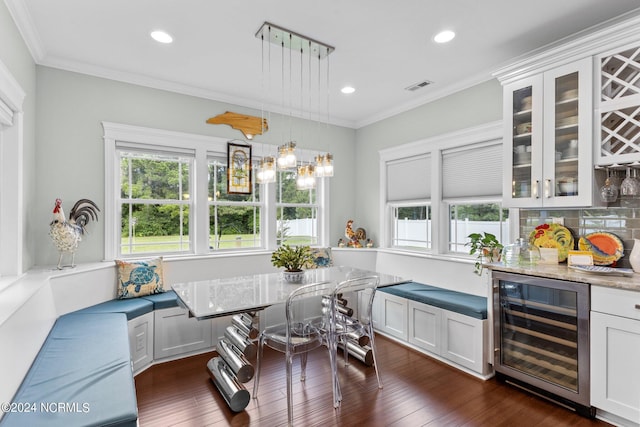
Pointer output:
x,y
239,169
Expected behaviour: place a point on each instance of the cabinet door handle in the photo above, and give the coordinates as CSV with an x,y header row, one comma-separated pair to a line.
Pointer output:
x,y
637,306
547,188
536,189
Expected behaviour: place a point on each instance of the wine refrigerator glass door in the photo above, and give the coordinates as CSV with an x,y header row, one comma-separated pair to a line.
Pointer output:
x,y
541,329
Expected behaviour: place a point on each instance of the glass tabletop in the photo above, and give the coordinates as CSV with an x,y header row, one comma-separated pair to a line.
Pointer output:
x,y
221,297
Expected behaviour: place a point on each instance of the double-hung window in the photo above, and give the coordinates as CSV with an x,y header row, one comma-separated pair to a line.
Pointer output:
x,y
297,212
234,219
409,202
439,190
471,189
155,202
166,194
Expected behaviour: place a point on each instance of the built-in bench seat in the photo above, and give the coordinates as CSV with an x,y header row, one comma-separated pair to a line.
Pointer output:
x,y
134,307
81,376
458,302
449,325
83,372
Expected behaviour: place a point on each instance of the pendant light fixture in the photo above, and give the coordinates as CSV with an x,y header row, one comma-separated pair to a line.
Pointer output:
x,y
286,158
267,166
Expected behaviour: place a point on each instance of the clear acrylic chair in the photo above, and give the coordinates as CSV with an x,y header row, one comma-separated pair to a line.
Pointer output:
x,y
348,331
299,335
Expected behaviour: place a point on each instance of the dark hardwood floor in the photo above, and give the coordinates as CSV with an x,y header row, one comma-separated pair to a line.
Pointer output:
x,y
418,391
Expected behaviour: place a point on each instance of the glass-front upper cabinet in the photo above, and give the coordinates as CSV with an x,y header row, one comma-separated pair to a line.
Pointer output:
x,y
548,144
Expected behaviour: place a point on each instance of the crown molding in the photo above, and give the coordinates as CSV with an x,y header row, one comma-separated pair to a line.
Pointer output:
x,y
592,41
22,18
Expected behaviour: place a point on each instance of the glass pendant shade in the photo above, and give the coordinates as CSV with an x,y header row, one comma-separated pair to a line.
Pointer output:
x,y
260,173
268,169
310,179
328,165
319,168
300,179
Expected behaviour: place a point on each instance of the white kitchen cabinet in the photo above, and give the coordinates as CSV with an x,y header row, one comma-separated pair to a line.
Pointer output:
x,y
619,106
424,326
176,333
548,144
615,353
390,315
141,341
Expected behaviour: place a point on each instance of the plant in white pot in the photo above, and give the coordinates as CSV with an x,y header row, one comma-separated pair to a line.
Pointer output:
x,y
292,259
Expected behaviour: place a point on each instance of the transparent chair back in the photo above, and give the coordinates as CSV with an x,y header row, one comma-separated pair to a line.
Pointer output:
x,y
299,335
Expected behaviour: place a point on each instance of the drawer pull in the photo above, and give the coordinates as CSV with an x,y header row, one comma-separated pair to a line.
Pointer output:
x,y
638,306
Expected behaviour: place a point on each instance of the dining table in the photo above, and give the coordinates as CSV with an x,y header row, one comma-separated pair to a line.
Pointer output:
x,y
218,297
242,297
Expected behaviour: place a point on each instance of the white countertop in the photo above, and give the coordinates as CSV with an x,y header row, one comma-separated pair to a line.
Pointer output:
x,y
562,272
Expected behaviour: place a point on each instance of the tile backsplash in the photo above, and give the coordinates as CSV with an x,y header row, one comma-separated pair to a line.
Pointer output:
x,y
623,222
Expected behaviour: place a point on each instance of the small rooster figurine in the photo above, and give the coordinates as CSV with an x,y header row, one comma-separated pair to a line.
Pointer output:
x,y
354,236
66,234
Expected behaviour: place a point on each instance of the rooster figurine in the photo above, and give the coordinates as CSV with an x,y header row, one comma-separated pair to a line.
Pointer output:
x,y
67,234
354,236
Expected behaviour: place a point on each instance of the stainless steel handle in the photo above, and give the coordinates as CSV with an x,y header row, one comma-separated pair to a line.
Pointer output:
x,y
547,188
536,189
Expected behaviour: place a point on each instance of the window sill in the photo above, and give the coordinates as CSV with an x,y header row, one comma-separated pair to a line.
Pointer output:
x,y
462,259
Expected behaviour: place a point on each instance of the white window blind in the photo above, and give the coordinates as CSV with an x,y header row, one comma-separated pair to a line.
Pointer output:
x,y
472,171
409,179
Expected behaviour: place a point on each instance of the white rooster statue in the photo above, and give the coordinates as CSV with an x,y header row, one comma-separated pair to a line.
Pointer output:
x,y
67,234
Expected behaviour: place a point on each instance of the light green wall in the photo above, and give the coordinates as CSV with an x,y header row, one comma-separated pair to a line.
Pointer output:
x,y
471,107
70,158
16,57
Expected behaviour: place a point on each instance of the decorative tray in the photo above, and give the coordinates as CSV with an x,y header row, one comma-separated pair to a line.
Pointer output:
x,y
606,248
607,271
553,236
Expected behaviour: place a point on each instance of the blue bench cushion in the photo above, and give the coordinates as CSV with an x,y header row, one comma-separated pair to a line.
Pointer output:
x,y
83,365
469,305
163,300
133,307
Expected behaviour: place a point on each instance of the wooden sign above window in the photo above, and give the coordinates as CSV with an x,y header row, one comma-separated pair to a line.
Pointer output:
x,y
248,125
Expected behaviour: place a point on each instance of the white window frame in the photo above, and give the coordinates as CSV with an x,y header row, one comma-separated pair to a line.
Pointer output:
x,y
205,147
471,201
126,201
12,230
407,204
311,205
255,204
439,208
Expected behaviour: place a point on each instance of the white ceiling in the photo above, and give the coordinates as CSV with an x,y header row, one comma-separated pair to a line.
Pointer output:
x,y
381,47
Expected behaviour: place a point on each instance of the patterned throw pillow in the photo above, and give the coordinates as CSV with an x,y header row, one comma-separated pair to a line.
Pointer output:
x,y
139,278
321,258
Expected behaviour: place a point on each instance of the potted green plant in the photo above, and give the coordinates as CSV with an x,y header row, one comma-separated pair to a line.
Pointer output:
x,y
486,246
292,259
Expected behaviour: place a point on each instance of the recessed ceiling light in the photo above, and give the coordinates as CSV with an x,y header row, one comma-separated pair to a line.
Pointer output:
x,y
161,36
348,89
444,36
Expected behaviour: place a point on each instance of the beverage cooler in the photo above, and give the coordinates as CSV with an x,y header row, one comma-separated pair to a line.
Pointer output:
x,y
541,337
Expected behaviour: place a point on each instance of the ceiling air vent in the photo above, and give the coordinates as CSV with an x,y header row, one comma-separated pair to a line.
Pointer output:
x,y
418,85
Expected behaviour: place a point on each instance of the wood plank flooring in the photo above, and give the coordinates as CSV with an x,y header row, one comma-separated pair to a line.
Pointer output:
x,y
418,391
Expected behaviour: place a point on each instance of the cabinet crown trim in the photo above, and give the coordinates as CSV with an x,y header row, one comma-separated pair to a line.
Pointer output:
x,y
592,41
